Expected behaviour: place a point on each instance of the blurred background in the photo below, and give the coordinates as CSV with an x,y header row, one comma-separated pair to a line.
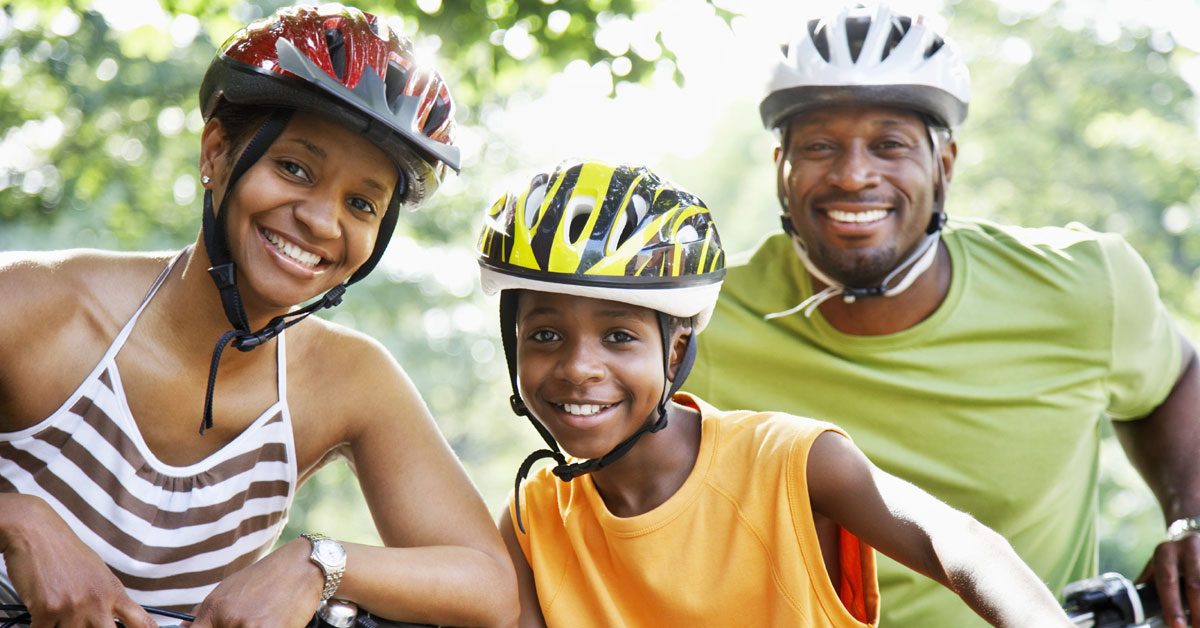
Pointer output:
x,y
1082,110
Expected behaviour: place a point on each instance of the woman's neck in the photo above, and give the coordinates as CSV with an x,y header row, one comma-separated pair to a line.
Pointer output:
x,y
655,468
188,307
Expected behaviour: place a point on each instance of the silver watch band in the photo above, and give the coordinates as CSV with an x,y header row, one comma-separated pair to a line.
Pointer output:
x,y
1182,527
332,572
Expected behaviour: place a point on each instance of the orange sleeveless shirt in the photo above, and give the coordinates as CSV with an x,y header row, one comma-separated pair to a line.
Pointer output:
x,y
735,545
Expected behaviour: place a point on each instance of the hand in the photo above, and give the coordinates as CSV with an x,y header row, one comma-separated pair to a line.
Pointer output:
x,y
282,589
1175,569
62,581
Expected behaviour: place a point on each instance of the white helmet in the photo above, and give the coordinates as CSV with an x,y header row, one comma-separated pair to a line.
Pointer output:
x,y
864,56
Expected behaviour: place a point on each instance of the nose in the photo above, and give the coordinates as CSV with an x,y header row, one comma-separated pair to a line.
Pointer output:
x,y
319,214
854,169
581,363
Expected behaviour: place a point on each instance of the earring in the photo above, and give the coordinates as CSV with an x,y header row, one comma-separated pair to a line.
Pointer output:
x,y
205,179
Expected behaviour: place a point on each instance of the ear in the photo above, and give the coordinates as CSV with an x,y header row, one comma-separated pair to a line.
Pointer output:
x,y
214,150
949,154
679,343
781,178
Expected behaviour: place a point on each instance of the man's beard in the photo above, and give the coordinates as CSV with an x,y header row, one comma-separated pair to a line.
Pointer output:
x,y
855,268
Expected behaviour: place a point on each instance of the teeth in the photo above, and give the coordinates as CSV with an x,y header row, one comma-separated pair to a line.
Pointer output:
x,y
582,409
858,217
294,252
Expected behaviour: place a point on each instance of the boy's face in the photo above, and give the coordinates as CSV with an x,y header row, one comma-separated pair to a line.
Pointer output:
x,y
590,370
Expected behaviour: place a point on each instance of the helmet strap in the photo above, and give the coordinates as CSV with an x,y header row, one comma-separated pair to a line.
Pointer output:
x,y
216,241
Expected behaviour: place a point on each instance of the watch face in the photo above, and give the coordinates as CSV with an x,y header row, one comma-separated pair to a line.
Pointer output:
x,y
330,552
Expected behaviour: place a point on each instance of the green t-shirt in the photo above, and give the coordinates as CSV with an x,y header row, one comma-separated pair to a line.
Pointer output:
x,y
993,403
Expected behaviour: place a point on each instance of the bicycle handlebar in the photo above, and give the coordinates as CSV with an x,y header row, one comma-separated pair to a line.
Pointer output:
x,y
335,614
1112,601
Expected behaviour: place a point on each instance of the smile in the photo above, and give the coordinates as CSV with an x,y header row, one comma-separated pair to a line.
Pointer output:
x,y
582,409
291,251
858,218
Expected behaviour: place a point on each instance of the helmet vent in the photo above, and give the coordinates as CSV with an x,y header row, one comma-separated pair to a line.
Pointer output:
x,y
533,202
336,43
437,115
817,32
397,78
856,36
687,234
640,207
578,214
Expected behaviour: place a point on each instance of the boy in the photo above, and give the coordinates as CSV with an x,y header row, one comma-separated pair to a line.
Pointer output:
x,y
687,515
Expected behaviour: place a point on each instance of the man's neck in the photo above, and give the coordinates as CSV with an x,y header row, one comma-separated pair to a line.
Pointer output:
x,y
877,316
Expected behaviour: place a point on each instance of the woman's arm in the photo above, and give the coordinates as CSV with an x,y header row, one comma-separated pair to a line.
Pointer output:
x,y
443,561
444,555
59,579
926,535
531,609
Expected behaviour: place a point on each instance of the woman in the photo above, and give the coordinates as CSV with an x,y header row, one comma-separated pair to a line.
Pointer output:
x,y
320,126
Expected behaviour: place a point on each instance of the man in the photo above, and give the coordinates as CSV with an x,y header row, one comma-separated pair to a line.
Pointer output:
x,y
973,360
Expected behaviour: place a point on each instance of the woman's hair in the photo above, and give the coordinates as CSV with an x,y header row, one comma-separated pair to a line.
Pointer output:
x,y
240,122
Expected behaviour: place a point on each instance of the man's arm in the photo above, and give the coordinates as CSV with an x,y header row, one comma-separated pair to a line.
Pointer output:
x,y
927,536
1164,447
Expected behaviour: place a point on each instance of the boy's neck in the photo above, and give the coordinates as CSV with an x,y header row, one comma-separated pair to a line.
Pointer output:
x,y
655,468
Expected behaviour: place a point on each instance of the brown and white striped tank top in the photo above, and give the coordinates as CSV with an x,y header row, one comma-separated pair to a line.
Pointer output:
x,y
171,534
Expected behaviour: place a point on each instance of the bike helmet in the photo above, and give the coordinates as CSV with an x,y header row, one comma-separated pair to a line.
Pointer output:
x,y
345,65
617,233
869,56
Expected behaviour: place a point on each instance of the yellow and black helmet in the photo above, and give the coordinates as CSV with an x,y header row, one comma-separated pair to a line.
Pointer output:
x,y
619,233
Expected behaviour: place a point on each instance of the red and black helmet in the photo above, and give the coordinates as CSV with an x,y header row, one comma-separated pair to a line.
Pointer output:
x,y
348,65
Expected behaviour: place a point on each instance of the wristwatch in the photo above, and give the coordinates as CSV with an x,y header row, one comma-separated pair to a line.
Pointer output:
x,y
330,556
1180,528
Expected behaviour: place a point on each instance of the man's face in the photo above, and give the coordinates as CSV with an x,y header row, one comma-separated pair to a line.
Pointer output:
x,y
858,183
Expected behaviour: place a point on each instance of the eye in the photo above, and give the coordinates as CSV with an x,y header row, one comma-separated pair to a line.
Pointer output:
x,y
544,336
362,205
294,169
891,145
816,148
619,336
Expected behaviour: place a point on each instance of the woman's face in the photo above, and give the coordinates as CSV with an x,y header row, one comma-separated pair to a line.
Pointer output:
x,y
306,215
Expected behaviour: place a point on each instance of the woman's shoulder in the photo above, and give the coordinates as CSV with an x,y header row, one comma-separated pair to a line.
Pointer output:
x,y
347,357
326,340
37,284
75,268
60,309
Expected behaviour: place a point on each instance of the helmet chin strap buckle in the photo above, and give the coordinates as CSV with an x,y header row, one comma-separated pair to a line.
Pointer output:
x,y
850,295
518,405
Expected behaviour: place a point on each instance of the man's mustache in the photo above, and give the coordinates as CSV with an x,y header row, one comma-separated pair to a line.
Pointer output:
x,y
871,199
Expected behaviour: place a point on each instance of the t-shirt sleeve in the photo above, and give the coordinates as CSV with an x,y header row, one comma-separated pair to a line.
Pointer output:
x,y
1145,358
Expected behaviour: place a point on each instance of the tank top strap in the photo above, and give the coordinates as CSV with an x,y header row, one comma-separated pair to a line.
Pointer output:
x,y
281,368
119,341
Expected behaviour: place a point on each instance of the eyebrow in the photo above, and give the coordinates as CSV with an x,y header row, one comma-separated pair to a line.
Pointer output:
x,y
613,313
823,118
321,154
312,148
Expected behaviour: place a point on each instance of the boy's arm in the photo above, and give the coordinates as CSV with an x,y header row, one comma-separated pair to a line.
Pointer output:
x,y
926,535
531,609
